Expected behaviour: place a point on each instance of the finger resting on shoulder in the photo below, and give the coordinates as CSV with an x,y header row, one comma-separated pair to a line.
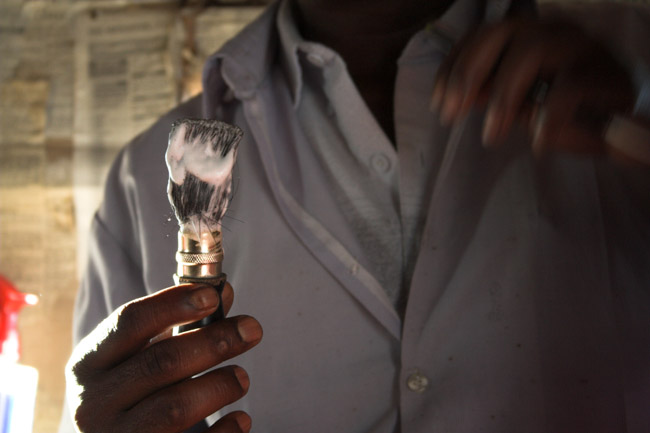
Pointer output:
x,y
515,77
444,71
442,77
471,70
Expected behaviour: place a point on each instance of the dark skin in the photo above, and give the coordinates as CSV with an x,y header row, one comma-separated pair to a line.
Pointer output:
x,y
131,375
369,36
495,68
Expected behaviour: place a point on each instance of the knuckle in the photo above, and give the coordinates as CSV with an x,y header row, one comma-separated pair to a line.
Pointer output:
x,y
223,347
160,361
86,419
224,340
225,344
230,385
130,316
174,411
227,389
79,371
82,419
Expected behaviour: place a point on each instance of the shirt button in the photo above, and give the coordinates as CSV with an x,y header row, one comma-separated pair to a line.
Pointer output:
x,y
417,382
316,60
380,162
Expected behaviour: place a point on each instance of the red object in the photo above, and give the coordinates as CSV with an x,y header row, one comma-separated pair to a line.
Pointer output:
x,y
11,302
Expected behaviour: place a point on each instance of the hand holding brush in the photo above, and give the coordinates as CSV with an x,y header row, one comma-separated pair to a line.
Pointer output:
x,y
130,374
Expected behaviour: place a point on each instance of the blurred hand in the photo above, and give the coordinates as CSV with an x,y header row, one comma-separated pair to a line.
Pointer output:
x,y
131,375
547,75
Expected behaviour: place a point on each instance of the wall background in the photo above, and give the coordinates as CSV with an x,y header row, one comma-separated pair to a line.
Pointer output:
x,y
78,79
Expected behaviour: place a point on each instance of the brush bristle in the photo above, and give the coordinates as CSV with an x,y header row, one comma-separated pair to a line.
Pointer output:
x,y
198,199
198,204
223,136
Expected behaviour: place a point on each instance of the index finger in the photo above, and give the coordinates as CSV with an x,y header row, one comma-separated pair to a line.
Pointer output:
x,y
465,73
129,328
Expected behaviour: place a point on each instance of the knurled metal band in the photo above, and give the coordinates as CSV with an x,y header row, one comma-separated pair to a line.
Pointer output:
x,y
215,281
198,258
218,283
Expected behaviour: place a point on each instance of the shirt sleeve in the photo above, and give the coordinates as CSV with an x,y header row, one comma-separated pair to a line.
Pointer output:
x,y
111,279
113,271
125,229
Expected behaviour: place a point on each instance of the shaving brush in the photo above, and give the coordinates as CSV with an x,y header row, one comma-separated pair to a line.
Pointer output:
x,y
200,156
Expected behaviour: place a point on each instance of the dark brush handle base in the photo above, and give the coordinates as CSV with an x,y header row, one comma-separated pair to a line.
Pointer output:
x,y
218,283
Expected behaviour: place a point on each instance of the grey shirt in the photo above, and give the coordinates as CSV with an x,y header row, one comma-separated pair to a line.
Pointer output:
x,y
529,301
380,188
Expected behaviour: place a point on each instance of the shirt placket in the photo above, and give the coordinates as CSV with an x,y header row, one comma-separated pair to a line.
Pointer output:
x,y
420,140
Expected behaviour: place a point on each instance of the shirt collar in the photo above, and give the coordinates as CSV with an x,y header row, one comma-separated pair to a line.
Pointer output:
x,y
243,62
461,16
293,46
290,40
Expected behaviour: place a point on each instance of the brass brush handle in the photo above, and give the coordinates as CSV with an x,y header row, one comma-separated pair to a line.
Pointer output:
x,y
199,261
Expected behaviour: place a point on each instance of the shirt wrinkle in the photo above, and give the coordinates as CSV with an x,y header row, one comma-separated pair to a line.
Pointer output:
x,y
364,171
457,20
382,194
516,321
126,251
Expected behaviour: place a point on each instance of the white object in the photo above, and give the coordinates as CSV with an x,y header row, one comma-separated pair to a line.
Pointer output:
x,y
18,386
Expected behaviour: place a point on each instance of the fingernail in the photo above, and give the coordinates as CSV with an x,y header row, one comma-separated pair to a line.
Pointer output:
x,y
450,107
537,133
243,421
242,377
453,99
204,298
249,330
490,127
436,99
